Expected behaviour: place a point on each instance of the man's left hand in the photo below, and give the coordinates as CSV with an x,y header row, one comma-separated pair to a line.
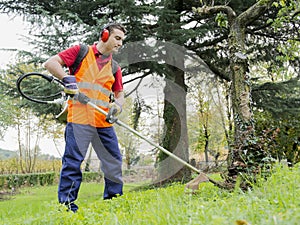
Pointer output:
x,y
115,107
114,110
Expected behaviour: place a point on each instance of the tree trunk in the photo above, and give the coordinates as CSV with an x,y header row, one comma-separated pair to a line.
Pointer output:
x,y
20,147
89,159
175,125
246,156
128,159
206,151
206,137
241,98
176,138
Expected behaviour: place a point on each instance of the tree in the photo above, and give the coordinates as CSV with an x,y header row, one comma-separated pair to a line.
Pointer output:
x,y
5,116
127,140
176,137
241,94
247,155
207,121
203,113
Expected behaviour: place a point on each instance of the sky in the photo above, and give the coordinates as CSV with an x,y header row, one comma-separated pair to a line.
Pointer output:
x,y
12,29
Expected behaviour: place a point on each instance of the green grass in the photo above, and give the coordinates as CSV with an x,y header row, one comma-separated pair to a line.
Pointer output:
x,y
276,201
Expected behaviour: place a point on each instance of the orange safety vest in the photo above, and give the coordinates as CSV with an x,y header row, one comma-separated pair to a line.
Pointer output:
x,y
95,84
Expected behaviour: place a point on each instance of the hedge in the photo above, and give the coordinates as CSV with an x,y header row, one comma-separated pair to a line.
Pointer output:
x,y
9,181
91,177
32,179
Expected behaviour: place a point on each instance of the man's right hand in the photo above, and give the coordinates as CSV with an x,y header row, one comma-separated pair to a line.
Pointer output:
x,y
70,84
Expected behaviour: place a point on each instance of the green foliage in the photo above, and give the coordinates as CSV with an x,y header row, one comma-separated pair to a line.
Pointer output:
x,y
281,136
128,141
171,121
18,180
275,201
5,117
9,181
13,104
91,177
206,115
42,165
136,112
281,99
8,103
221,19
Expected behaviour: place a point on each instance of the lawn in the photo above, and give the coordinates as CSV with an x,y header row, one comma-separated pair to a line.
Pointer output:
x,y
276,201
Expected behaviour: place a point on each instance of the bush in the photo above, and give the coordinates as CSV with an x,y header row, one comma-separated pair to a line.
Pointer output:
x,y
91,177
18,180
9,181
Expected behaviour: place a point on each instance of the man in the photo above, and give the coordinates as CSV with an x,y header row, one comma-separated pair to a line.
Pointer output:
x,y
85,125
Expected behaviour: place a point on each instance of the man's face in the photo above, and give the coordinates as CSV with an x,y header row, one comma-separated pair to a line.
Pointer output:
x,y
115,40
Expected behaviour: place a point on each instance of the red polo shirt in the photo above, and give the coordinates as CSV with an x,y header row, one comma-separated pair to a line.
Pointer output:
x,y
69,56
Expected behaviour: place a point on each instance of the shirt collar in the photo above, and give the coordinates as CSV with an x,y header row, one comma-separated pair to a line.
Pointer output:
x,y
105,58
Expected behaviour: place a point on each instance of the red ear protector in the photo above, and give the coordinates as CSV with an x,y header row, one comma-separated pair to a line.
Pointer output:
x,y
104,35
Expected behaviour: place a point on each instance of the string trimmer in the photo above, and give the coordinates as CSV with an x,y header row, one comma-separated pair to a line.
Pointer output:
x,y
192,184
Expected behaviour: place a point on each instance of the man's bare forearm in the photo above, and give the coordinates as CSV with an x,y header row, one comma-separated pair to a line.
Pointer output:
x,y
119,97
55,66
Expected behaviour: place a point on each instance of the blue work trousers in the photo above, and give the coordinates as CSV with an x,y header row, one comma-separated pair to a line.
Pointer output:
x,y
105,143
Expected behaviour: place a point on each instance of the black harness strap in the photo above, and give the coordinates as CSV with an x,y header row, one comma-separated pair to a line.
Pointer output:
x,y
82,53
80,56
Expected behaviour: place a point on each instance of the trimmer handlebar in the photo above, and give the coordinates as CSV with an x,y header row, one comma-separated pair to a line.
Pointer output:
x,y
110,115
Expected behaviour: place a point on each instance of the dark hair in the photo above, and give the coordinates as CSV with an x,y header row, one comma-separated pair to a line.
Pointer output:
x,y
112,26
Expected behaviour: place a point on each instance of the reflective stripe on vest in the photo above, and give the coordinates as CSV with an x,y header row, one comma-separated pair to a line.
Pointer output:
x,y
97,102
97,86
